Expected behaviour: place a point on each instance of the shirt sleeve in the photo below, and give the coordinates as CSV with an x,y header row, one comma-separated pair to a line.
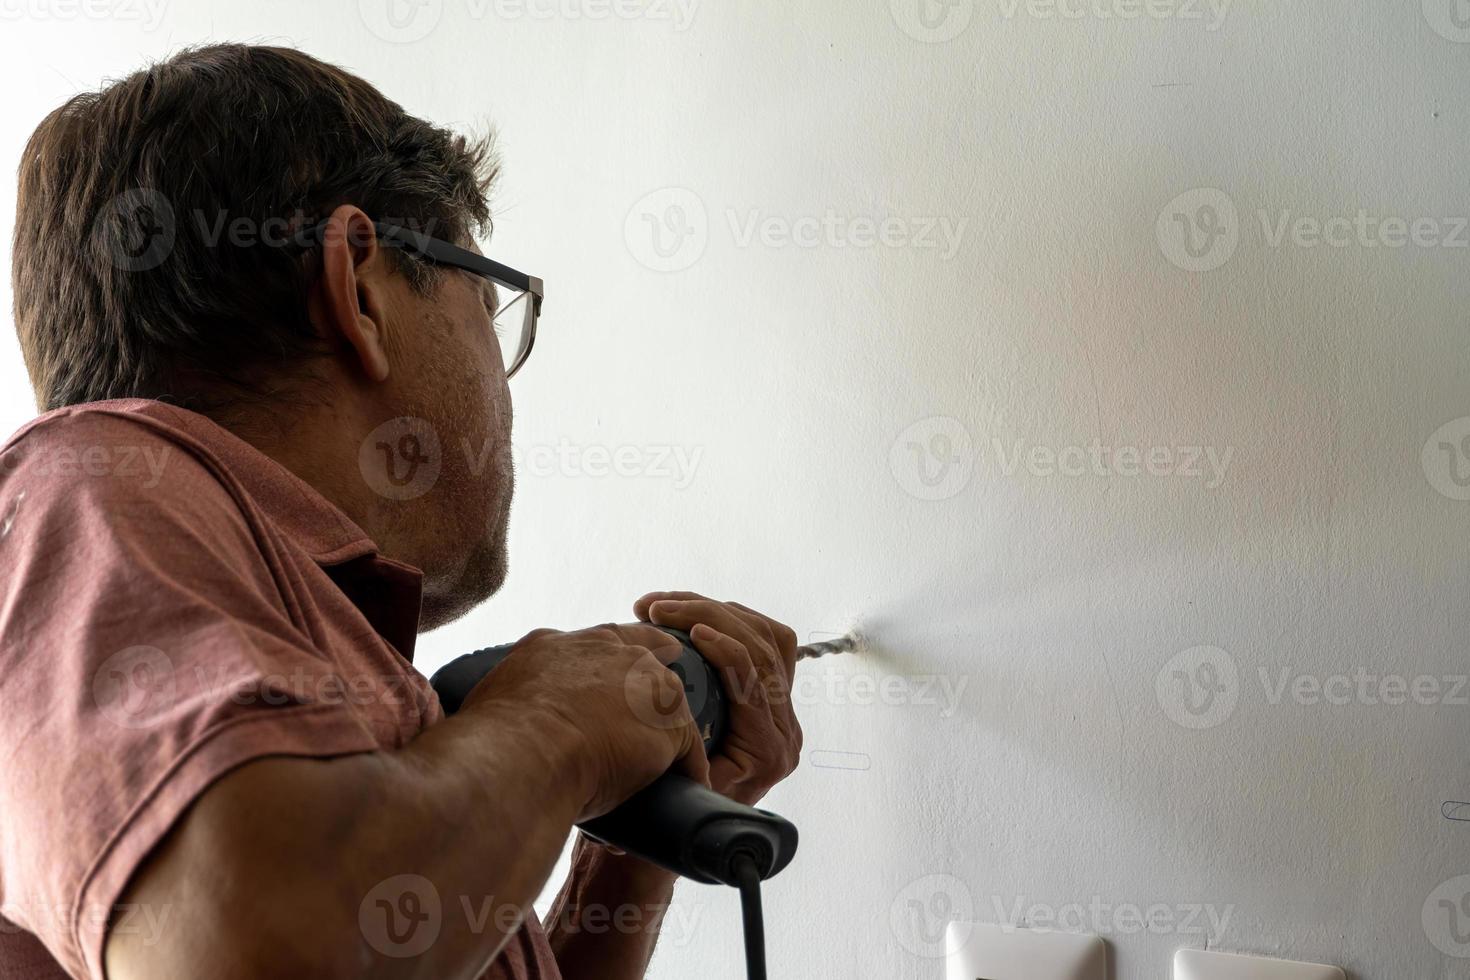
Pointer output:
x,y
146,649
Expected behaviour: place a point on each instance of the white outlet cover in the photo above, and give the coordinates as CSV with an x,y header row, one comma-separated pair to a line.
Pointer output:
x,y
979,951
1197,964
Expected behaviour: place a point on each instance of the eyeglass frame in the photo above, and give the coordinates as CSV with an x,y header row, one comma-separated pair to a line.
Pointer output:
x,y
440,252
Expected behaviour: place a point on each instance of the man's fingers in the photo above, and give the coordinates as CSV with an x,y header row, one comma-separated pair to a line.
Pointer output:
x,y
640,608
694,763
751,709
665,708
663,646
782,635
725,771
685,614
757,655
752,625
752,621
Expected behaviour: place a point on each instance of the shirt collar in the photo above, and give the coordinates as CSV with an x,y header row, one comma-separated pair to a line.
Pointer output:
x,y
387,592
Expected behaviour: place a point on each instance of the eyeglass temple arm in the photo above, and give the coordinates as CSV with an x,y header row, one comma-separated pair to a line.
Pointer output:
x,y
447,253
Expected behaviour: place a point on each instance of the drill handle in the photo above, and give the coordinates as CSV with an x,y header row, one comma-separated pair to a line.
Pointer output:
x,y
693,831
673,822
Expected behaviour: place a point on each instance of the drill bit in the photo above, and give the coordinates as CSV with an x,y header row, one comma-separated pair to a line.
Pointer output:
x,y
846,644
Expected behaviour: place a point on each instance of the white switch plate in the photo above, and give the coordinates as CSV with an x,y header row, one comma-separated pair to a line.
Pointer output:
x,y
1197,964
978,951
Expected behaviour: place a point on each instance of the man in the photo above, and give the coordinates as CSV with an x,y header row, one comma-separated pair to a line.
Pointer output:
x,y
243,312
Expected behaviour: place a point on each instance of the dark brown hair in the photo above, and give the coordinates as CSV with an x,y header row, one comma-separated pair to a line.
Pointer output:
x,y
158,231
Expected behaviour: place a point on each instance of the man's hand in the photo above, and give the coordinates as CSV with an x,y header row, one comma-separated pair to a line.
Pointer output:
x,y
756,658
599,688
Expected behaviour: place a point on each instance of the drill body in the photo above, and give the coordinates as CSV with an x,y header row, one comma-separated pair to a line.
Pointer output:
x,y
673,822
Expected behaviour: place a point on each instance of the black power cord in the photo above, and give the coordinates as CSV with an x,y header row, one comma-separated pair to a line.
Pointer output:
x,y
748,879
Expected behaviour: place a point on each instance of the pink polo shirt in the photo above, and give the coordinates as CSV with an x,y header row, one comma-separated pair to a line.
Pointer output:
x,y
173,604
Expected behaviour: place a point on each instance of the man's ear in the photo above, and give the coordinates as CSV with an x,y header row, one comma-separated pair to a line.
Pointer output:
x,y
348,302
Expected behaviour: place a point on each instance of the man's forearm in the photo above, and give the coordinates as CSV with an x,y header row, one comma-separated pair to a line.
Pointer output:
x,y
607,918
477,808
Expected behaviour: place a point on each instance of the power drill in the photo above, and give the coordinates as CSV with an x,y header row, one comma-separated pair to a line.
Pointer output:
x,y
674,822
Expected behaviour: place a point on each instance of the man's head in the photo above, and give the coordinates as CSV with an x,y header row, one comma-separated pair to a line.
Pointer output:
x,y
162,251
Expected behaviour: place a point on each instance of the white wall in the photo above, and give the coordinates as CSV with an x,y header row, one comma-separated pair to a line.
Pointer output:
x,y
803,376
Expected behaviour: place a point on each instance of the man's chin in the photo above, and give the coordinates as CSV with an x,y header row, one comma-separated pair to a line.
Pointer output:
x,y
483,576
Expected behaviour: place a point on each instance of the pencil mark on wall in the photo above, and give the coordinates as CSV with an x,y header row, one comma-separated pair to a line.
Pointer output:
x,y
829,759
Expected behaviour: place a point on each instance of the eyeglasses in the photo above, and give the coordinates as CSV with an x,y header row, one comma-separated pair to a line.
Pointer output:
x,y
518,297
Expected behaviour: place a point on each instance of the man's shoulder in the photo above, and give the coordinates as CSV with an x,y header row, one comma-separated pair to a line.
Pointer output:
x,y
105,498
121,456
106,424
